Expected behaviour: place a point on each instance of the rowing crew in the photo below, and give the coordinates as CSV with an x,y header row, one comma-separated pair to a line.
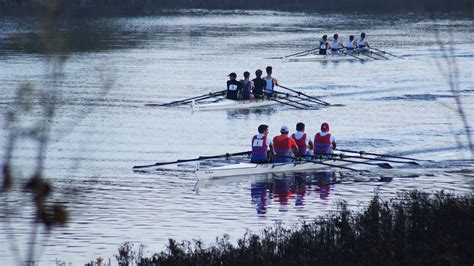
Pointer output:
x,y
283,148
247,89
351,45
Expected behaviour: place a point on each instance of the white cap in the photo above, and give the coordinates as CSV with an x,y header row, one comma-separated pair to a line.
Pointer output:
x,y
284,129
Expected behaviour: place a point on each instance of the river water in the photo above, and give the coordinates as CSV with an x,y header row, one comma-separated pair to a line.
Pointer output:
x,y
398,106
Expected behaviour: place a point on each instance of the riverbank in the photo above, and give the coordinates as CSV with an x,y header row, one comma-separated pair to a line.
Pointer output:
x,y
415,228
110,7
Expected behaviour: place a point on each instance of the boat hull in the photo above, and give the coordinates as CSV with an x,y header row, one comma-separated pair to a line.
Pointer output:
x,y
257,169
226,104
322,58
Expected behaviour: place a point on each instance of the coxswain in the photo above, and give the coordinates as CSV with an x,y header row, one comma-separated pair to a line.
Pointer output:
x,y
234,88
336,45
271,82
259,85
284,146
324,45
362,43
324,142
261,144
247,87
350,44
305,145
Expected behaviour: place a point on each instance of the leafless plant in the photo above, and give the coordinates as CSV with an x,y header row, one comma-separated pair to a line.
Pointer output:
x,y
449,69
30,119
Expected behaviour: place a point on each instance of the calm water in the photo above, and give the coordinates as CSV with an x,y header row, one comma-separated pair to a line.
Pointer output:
x,y
395,106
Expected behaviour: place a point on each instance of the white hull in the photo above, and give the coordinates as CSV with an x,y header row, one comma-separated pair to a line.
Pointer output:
x,y
231,104
325,58
257,169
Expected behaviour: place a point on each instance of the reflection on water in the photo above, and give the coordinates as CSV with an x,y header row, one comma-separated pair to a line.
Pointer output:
x,y
291,189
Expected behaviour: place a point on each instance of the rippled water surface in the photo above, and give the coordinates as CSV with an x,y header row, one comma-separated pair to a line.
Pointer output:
x,y
399,106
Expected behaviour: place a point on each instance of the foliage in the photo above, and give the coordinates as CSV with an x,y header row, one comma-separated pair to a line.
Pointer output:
x,y
415,228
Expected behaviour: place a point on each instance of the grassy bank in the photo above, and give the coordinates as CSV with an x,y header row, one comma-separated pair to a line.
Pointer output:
x,y
415,228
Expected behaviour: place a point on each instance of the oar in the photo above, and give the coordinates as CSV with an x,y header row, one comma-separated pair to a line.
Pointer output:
x,y
296,96
342,156
328,164
386,53
373,57
358,58
378,154
382,160
375,53
285,103
383,165
307,51
211,94
293,101
300,93
195,159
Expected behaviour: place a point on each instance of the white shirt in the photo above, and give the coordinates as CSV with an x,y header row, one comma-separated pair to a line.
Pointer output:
x,y
299,135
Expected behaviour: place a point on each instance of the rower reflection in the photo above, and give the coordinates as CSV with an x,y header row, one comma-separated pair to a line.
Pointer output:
x,y
285,190
323,183
258,192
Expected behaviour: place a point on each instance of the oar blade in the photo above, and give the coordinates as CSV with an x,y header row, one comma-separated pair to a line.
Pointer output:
x,y
385,165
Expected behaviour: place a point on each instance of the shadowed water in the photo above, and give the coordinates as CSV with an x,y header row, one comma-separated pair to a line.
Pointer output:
x,y
395,106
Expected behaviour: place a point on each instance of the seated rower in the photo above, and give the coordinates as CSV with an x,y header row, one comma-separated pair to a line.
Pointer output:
x,y
271,82
259,85
350,45
305,145
247,87
336,45
324,142
324,45
234,88
261,144
284,146
363,44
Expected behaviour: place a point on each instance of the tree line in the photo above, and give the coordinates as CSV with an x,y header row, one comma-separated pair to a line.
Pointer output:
x,y
458,6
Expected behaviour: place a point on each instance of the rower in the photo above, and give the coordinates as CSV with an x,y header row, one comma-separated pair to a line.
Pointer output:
x,y
336,45
259,85
234,88
305,145
247,87
350,45
324,45
260,145
324,142
362,43
284,146
270,82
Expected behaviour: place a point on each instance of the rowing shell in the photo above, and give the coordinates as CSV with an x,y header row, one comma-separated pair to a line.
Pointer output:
x,y
242,169
322,58
232,104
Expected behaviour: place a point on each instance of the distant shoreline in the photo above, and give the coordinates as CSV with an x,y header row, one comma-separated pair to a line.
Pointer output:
x,y
112,7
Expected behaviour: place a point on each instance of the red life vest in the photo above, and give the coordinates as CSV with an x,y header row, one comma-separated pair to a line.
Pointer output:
x,y
259,149
302,147
322,144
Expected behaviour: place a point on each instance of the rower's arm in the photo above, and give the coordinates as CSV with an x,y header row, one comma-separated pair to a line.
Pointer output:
x,y
311,145
334,145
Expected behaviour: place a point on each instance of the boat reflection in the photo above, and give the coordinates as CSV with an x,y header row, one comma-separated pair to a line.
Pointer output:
x,y
245,113
284,190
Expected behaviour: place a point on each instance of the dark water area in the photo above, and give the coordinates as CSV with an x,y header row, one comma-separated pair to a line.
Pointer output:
x,y
397,106
142,7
